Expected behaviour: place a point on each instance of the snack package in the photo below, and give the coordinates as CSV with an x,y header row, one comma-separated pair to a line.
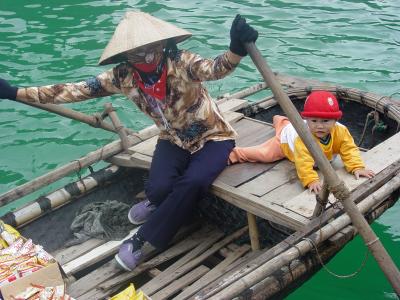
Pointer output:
x,y
8,235
19,257
38,292
130,294
127,294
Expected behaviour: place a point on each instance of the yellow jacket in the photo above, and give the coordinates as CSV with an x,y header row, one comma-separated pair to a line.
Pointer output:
x,y
341,143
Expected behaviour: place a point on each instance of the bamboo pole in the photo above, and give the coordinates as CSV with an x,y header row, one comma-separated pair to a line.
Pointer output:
x,y
73,114
54,200
253,232
109,109
302,247
243,93
73,166
387,106
336,185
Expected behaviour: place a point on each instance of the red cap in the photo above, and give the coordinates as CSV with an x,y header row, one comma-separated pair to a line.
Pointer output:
x,y
321,104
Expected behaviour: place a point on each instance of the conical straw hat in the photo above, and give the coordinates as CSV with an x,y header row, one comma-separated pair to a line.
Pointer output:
x,y
138,29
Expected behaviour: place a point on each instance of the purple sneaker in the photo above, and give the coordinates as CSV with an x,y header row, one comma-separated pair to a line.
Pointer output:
x,y
127,258
140,212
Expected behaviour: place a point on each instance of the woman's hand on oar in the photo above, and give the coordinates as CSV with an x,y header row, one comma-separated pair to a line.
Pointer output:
x,y
241,33
7,91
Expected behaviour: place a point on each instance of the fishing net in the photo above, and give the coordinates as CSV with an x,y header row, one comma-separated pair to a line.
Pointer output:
x,y
106,220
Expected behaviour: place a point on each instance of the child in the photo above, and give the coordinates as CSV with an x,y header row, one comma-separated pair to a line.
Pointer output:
x,y
321,112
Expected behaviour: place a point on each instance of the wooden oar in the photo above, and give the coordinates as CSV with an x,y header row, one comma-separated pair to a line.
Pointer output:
x,y
336,185
73,114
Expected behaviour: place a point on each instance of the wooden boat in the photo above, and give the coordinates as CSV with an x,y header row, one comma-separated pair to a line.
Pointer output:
x,y
262,237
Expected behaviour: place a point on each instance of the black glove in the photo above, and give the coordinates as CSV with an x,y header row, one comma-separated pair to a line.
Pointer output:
x,y
241,33
7,91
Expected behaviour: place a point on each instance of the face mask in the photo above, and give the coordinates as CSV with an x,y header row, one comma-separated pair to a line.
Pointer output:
x,y
150,55
147,68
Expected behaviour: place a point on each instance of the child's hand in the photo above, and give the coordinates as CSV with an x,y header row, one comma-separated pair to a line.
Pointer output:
x,y
363,173
315,186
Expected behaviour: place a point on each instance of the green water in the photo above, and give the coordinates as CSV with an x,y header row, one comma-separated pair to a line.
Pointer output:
x,y
352,43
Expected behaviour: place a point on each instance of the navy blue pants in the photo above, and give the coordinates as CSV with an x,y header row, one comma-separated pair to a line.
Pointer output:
x,y
176,182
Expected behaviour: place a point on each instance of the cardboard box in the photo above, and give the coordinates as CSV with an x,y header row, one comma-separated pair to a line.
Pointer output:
x,y
47,276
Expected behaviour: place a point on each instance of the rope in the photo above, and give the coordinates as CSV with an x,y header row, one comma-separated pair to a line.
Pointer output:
x,y
78,173
98,118
379,100
91,169
367,120
336,205
340,191
102,148
372,242
333,273
363,263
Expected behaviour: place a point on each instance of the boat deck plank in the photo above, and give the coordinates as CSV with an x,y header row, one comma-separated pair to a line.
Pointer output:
x,y
250,133
109,275
181,283
68,254
147,147
281,173
192,252
214,273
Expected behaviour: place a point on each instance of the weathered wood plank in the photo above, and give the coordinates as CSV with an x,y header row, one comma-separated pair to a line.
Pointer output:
x,y
232,105
147,147
232,116
251,133
284,192
134,160
257,206
181,283
292,188
65,255
214,273
103,251
283,172
238,174
151,289
93,294
91,280
194,241
85,285
115,276
156,283
154,272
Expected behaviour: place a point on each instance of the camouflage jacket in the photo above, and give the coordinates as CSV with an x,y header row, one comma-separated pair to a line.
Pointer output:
x,y
188,117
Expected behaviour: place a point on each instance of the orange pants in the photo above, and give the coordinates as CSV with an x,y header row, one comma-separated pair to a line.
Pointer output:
x,y
267,152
